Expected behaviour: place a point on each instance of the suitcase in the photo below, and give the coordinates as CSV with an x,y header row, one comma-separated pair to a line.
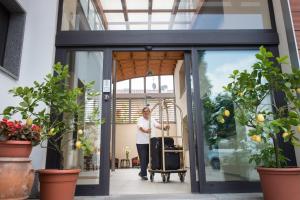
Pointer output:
x,y
172,159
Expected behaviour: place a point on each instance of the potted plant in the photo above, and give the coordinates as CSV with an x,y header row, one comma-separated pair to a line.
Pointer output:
x,y
269,123
54,106
16,172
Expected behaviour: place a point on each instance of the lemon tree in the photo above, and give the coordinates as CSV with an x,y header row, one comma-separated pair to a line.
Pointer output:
x,y
250,90
61,113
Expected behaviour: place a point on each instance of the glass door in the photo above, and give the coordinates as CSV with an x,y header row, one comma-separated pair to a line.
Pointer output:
x,y
87,66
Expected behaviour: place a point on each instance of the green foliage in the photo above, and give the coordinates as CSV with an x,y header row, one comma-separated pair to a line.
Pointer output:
x,y
48,102
250,90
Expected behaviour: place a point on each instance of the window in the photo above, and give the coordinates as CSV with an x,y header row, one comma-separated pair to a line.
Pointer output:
x,y
122,87
152,85
226,153
12,25
174,15
4,21
137,85
166,84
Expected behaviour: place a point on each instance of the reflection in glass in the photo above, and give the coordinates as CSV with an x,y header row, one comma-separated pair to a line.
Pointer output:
x,y
226,152
152,85
85,67
166,84
169,15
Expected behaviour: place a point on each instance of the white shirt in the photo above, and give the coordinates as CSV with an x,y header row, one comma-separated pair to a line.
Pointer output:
x,y
141,137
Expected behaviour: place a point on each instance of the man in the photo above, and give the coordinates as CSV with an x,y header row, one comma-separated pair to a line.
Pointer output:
x,y
142,139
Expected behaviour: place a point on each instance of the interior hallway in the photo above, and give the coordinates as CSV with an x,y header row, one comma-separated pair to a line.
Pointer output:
x,y
127,181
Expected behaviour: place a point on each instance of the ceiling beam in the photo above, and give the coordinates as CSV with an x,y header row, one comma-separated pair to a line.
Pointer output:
x,y
125,13
150,5
198,10
100,10
147,10
175,8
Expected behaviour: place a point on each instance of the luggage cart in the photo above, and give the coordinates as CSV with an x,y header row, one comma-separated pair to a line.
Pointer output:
x,y
165,174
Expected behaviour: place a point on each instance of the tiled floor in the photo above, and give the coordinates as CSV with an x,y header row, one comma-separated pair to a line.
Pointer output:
x,y
127,181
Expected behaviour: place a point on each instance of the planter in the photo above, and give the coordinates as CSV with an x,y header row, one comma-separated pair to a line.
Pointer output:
x,y
58,184
15,149
280,183
16,178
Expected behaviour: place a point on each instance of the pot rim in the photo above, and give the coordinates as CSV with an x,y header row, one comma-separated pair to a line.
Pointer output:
x,y
16,142
289,169
58,171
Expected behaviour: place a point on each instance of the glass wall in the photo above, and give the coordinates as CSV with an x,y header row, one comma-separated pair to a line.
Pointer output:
x,y
165,15
226,151
85,67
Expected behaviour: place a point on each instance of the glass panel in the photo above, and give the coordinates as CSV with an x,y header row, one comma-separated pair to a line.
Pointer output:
x,y
85,67
152,85
225,150
167,84
166,4
189,14
111,4
122,87
137,4
137,85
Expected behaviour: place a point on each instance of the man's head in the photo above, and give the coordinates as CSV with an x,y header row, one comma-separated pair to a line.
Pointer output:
x,y
146,112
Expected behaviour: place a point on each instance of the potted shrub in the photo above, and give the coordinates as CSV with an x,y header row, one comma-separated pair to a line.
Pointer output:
x,y
54,106
16,172
269,124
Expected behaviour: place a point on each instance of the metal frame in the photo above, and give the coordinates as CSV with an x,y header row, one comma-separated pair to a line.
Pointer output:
x,y
186,40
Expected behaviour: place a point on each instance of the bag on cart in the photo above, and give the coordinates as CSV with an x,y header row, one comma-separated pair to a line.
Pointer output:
x,y
172,159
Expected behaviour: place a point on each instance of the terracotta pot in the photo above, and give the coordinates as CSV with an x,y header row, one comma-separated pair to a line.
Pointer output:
x,y
280,183
58,184
16,178
16,149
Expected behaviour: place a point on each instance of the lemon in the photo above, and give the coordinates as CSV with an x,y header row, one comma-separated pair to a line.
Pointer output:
x,y
285,134
29,121
258,138
78,144
51,132
260,118
298,128
253,137
226,113
298,90
80,132
222,121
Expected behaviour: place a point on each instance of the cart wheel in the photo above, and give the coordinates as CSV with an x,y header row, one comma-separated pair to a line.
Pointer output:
x,y
164,177
168,177
151,177
181,177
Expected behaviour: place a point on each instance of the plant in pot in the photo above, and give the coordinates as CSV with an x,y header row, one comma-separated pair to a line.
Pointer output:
x,y
16,172
270,124
55,107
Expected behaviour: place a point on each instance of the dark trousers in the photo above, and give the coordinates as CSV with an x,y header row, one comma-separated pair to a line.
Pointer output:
x,y
143,151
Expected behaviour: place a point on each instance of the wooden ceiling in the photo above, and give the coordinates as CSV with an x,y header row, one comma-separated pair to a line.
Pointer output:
x,y
136,64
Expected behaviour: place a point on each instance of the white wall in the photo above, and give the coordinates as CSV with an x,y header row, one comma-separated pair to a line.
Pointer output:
x,y
37,55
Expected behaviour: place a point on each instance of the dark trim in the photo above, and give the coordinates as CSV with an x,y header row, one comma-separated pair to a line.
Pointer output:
x,y
192,150
14,39
290,34
166,38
